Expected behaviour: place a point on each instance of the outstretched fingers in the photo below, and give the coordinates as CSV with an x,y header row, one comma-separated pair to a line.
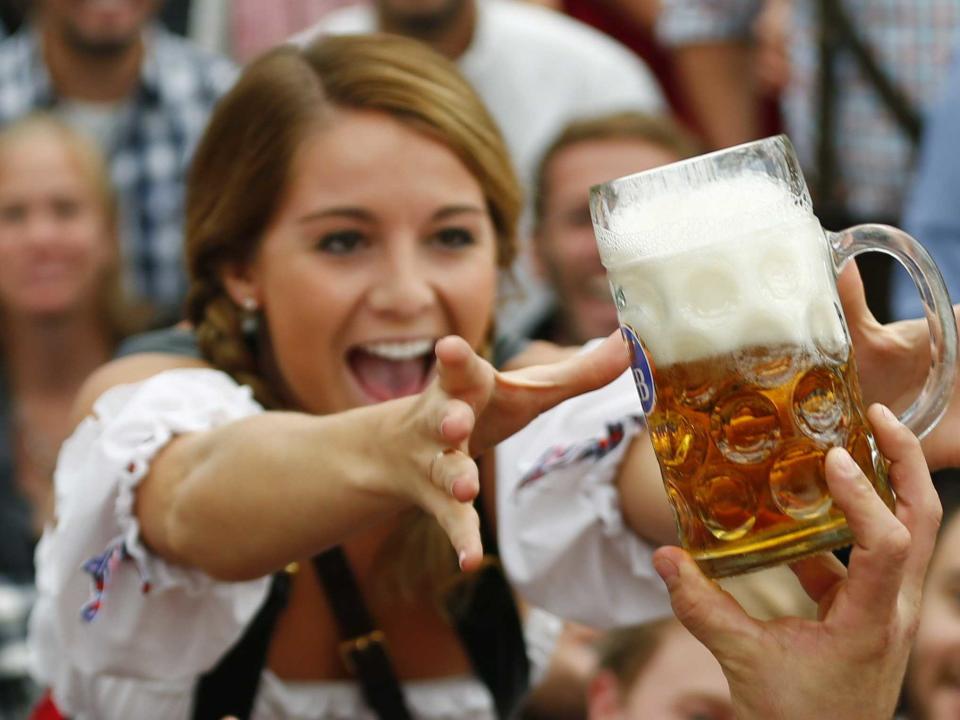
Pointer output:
x,y
460,522
918,506
710,613
462,373
891,551
455,472
578,374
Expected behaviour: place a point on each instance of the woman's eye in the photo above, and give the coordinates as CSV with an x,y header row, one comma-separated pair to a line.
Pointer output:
x,y
66,209
454,238
341,243
11,214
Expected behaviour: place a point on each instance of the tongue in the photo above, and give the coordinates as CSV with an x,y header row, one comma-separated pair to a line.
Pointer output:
x,y
388,379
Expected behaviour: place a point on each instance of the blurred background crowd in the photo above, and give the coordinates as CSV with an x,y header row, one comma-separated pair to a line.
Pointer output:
x,y
103,101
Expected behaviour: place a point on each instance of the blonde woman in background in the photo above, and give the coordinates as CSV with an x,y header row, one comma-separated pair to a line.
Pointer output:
x,y
62,315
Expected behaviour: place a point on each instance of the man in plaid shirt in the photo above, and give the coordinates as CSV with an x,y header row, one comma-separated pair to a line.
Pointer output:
x,y
144,95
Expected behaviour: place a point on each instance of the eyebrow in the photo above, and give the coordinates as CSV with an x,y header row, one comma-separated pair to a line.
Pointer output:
x,y
357,213
452,210
354,213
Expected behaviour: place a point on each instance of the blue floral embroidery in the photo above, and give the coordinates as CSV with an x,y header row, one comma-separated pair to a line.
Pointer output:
x,y
560,456
101,568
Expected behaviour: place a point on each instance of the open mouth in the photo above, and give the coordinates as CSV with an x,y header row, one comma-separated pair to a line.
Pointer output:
x,y
391,369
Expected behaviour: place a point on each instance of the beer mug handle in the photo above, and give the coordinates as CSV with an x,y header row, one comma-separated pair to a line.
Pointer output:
x,y
929,406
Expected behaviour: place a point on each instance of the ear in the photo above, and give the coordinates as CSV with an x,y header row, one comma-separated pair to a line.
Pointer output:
x,y
240,282
603,697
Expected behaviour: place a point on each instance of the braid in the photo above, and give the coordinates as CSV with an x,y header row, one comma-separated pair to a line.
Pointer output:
x,y
221,341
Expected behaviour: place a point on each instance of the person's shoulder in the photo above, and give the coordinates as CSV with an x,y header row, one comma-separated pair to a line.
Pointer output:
x,y
350,20
176,340
126,371
17,47
551,30
18,74
553,42
188,68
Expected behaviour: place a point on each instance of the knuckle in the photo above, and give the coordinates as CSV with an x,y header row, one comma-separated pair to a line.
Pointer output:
x,y
897,543
911,619
934,513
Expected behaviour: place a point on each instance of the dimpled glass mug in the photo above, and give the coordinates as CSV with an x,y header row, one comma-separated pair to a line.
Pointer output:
x,y
725,286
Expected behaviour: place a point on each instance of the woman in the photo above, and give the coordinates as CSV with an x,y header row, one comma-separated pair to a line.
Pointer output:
x,y
348,207
61,318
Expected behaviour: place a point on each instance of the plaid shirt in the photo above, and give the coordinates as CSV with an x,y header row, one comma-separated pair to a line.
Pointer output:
x,y
166,115
912,41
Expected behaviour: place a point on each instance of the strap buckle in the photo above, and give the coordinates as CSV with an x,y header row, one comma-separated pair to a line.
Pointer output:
x,y
350,649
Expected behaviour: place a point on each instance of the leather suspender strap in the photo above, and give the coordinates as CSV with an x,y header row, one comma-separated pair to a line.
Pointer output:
x,y
362,645
484,613
231,687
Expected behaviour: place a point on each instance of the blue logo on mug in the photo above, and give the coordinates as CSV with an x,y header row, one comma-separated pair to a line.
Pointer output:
x,y
642,375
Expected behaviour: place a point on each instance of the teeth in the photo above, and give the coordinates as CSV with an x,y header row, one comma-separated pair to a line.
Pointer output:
x,y
407,350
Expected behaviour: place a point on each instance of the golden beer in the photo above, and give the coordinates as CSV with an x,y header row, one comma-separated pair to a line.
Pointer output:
x,y
741,440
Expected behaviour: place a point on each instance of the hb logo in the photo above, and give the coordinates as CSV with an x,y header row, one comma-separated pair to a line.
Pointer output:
x,y
642,375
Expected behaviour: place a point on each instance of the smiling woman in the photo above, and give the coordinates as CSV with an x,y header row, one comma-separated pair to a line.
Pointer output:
x,y
370,259
348,208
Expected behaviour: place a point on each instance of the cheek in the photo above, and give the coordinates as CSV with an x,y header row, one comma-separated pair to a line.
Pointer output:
x,y
930,647
471,297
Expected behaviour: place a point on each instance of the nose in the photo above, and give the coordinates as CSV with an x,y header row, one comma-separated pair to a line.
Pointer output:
x,y
404,288
40,230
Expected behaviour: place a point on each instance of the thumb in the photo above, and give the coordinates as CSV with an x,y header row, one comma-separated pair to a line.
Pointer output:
x,y
853,298
710,613
585,371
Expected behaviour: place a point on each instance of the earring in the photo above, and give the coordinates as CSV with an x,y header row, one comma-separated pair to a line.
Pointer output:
x,y
250,322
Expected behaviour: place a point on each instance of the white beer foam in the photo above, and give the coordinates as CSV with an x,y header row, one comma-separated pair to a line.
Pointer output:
x,y
727,266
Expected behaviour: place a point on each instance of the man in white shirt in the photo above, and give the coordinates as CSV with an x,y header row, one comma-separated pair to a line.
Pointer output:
x,y
536,70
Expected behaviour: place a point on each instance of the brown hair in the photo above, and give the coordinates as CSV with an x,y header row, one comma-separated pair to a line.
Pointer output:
x,y
241,167
240,172
654,129
626,651
122,316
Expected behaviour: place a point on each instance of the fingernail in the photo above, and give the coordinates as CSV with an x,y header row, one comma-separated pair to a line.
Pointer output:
x,y
888,415
845,463
666,569
443,425
461,557
455,486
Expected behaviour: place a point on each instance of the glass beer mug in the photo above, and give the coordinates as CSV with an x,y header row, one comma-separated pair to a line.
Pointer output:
x,y
725,286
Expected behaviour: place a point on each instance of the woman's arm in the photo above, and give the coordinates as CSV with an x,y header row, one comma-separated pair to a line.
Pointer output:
x,y
241,500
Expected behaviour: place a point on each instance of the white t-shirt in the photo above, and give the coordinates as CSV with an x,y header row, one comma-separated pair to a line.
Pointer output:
x,y
536,70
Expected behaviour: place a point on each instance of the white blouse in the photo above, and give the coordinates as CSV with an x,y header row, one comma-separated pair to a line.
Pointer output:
x,y
118,632
563,540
